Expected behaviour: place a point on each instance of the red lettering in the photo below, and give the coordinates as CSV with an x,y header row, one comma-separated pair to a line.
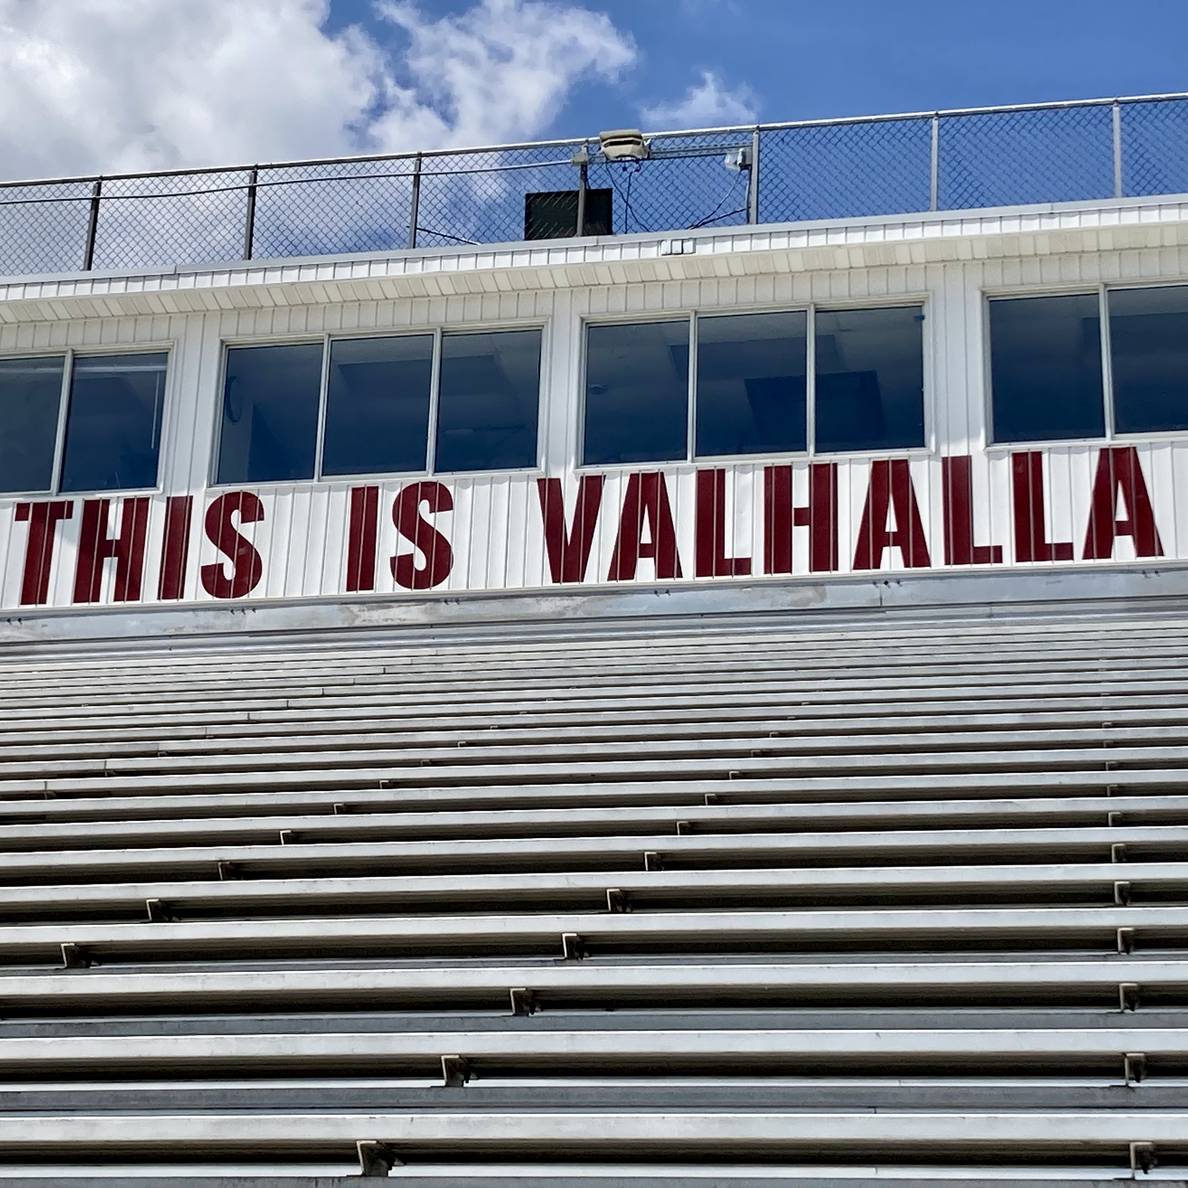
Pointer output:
x,y
569,549
95,547
175,549
957,497
246,566
819,516
891,488
710,536
646,501
362,538
43,521
439,556
1119,472
1031,531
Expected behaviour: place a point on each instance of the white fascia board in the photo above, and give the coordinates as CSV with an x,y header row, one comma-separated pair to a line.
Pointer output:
x,y
835,244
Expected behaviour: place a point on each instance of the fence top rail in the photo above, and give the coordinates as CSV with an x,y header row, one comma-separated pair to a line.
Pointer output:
x,y
578,141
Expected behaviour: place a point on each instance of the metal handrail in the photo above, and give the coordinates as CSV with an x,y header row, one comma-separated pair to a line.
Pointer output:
x,y
781,126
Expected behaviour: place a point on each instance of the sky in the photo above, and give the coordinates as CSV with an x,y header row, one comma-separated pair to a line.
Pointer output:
x,y
123,85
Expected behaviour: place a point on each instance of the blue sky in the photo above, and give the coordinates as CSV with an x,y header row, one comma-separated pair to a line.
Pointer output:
x,y
801,60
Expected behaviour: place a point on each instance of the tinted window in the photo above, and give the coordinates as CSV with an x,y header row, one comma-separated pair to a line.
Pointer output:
x,y
751,383
270,413
1149,353
1045,367
487,401
870,379
377,405
637,392
113,422
30,395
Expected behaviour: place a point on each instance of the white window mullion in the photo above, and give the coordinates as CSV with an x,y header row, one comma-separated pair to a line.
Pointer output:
x,y
434,394
1107,366
63,410
323,391
691,425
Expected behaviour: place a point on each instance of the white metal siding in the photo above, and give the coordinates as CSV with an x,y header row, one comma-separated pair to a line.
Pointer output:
x,y
495,526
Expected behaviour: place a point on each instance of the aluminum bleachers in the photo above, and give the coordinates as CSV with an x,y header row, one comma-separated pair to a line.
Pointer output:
x,y
718,903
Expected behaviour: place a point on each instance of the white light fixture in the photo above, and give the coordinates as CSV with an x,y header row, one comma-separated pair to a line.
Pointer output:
x,y
623,144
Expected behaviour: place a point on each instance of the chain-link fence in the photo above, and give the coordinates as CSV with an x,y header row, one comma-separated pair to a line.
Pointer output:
x,y
774,173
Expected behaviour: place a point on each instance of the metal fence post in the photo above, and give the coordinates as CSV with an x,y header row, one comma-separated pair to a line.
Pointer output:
x,y
753,180
92,226
934,166
249,223
1117,117
583,186
414,214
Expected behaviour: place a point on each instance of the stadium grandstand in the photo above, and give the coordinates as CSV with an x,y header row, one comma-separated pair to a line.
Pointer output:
x,y
654,660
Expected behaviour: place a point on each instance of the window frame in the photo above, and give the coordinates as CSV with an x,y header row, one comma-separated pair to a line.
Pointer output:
x,y
1101,290
325,340
68,356
693,315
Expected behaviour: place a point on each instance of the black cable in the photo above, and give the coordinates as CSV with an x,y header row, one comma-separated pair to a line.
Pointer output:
x,y
713,216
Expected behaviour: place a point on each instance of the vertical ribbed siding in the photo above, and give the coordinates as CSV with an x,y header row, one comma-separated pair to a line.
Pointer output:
x,y
495,526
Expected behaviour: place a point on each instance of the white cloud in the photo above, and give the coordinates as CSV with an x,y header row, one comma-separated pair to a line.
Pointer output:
x,y
497,72
705,104
123,85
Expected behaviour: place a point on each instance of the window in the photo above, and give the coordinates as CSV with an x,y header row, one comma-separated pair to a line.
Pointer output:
x,y
637,393
374,399
1149,356
1045,368
111,435
30,399
751,385
1048,369
869,379
377,404
488,401
270,413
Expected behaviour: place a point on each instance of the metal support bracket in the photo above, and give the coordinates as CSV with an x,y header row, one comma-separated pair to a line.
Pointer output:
x,y
1134,1067
652,860
712,798
1143,1157
1114,819
572,946
455,1071
339,808
616,900
1125,940
226,871
1122,894
523,1001
287,837
1128,996
684,828
1118,852
376,1159
158,913
74,956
